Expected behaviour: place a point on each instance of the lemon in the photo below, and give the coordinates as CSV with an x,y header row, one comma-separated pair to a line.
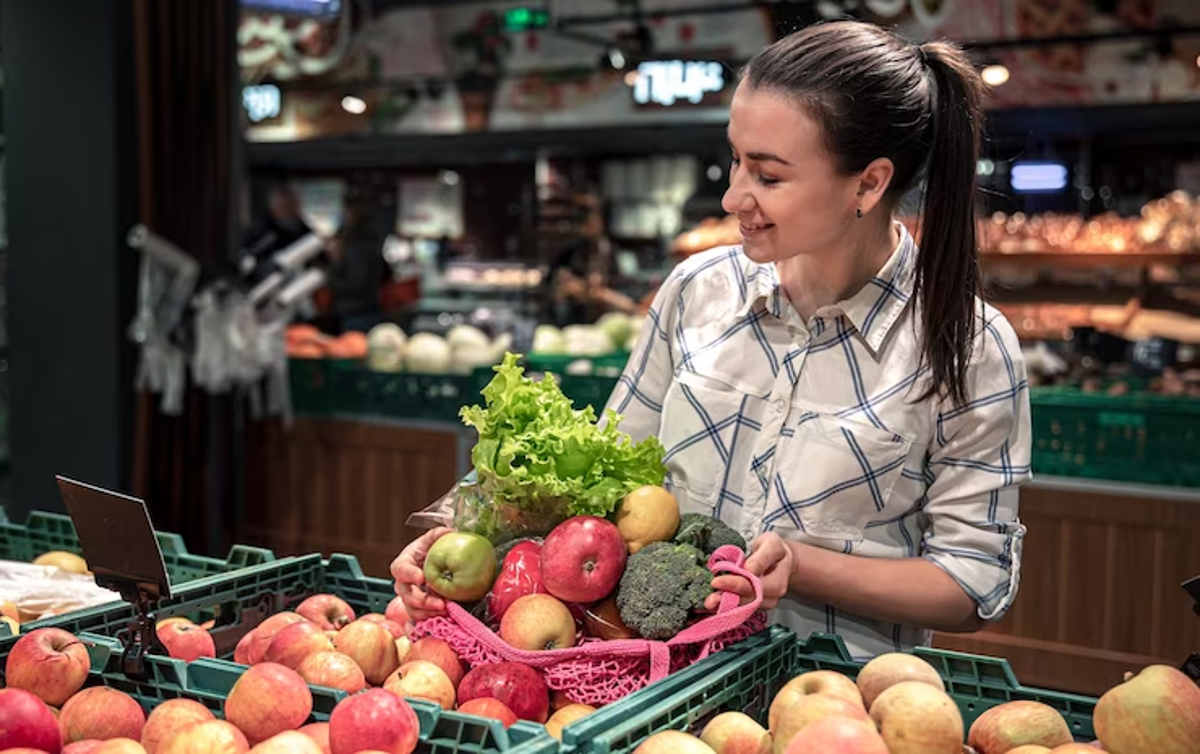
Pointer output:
x,y
648,514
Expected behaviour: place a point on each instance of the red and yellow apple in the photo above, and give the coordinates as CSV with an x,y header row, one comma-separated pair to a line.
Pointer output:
x,y
296,642
736,733
403,645
518,686
1071,748
332,670
565,715
582,559
914,717
259,640
887,670
394,628
26,722
318,732
441,654
422,680
49,663
373,720
826,682
267,700
328,611
120,746
82,747
101,713
288,742
673,742
372,647
186,641
536,622
397,612
1157,710
212,737
807,710
495,709
171,716
1004,727
1035,749
837,735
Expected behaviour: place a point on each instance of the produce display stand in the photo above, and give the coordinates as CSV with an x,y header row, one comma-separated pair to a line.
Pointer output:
x,y
209,682
44,532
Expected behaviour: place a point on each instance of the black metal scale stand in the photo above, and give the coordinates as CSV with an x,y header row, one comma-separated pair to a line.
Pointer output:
x,y
119,545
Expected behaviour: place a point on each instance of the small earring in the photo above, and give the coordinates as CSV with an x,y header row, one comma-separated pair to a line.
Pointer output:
x,y
858,213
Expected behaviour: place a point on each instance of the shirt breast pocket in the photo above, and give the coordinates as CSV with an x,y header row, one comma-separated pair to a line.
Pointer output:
x,y
835,476
699,423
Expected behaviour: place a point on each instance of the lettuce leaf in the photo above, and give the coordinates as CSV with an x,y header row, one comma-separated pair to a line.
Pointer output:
x,y
535,448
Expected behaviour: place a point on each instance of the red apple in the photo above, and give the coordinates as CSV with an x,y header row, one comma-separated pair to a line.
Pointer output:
x,y
1019,723
101,713
583,559
187,641
887,670
49,663
495,709
372,647
318,732
395,629
296,642
736,733
807,710
23,750
564,716
169,717
373,720
1157,710
120,746
332,670
241,653
212,737
538,621
915,717
328,611
520,575
266,700
518,686
837,735
264,634
422,680
397,612
26,721
460,566
439,653
826,682
82,747
288,742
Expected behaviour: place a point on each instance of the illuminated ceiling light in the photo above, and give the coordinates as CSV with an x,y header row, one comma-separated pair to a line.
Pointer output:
x,y
616,58
354,105
1033,177
994,75
449,177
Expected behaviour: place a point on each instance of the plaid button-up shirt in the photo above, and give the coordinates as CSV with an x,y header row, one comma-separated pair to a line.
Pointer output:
x,y
815,430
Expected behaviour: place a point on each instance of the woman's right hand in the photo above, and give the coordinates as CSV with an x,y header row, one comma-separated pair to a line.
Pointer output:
x,y
408,571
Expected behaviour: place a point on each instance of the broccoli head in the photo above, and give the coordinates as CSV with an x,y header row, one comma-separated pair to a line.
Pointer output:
x,y
663,583
706,533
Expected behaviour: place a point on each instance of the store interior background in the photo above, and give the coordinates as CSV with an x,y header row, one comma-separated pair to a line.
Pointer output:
x,y
478,141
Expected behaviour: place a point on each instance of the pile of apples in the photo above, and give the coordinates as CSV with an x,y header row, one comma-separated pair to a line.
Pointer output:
x,y
899,705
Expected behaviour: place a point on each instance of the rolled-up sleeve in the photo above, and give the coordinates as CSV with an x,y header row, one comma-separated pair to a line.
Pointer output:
x,y
638,396
979,457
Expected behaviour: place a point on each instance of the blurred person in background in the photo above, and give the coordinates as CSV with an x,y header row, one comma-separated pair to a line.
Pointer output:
x,y
358,268
282,226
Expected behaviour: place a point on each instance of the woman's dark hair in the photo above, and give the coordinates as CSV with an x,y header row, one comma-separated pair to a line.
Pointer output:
x,y
876,95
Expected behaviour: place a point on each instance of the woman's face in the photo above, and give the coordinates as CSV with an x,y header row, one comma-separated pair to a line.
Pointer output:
x,y
783,187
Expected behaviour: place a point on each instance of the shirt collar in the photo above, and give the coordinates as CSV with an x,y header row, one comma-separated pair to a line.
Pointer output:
x,y
872,310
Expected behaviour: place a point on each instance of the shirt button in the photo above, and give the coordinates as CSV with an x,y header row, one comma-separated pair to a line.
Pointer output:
x,y
778,405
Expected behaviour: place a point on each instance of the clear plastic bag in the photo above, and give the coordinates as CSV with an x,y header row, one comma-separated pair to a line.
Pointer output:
x,y
475,512
41,591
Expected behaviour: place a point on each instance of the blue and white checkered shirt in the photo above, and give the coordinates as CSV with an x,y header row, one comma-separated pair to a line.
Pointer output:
x,y
815,431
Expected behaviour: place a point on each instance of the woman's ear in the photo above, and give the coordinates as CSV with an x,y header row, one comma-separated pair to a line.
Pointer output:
x,y
873,183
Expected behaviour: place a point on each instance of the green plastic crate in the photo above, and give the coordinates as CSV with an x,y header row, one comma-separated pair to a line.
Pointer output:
x,y
745,676
357,390
308,383
43,532
1135,438
975,683
558,363
210,681
588,391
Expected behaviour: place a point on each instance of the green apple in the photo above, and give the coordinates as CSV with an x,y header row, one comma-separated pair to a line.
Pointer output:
x,y
461,566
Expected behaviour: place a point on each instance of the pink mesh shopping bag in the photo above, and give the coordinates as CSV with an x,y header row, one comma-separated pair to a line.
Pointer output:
x,y
598,672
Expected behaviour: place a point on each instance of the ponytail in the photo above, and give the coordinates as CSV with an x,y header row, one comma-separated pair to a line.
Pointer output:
x,y
947,274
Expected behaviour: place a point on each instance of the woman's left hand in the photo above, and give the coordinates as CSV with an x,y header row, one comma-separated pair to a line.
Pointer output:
x,y
771,560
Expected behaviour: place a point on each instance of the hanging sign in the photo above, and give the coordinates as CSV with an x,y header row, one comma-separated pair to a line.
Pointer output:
x,y
669,83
